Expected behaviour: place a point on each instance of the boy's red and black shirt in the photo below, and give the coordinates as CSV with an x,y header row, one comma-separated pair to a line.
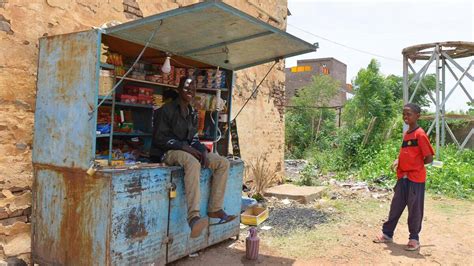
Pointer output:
x,y
415,147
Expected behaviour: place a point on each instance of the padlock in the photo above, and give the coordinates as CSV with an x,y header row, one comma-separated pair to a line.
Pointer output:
x,y
92,169
173,191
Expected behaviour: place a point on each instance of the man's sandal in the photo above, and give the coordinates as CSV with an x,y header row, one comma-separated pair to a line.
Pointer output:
x,y
220,214
413,245
197,224
383,239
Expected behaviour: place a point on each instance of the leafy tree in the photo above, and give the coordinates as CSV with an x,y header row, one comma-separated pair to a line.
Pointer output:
x,y
395,84
308,126
373,98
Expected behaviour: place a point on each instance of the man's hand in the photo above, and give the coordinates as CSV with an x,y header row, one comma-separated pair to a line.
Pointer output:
x,y
193,152
204,159
394,165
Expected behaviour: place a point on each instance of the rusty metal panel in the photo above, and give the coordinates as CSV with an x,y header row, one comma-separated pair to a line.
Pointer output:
x,y
139,216
66,90
232,205
179,230
70,217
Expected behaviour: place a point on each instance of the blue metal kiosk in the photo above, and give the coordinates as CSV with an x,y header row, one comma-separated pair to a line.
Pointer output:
x,y
124,215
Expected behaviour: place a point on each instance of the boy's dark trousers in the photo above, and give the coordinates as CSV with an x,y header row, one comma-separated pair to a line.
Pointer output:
x,y
411,194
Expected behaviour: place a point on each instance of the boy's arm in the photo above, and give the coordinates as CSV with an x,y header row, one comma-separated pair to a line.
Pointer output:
x,y
428,159
426,149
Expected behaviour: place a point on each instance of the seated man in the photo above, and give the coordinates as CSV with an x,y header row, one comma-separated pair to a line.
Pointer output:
x,y
175,142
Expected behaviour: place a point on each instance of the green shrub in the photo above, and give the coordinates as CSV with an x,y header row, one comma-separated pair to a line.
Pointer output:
x,y
377,169
331,160
455,179
308,175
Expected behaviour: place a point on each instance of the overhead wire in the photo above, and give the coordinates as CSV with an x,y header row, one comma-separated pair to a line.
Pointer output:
x,y
255,90
345,46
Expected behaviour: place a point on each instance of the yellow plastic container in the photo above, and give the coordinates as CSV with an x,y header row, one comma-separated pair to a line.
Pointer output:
x,y
254,216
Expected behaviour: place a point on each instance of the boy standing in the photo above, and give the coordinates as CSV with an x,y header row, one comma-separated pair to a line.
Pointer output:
x,y
416,151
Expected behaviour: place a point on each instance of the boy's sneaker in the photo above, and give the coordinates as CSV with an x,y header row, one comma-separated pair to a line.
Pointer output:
x,y
383,238
197,224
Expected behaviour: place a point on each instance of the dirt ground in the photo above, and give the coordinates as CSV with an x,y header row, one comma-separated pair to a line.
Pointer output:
x,y
346,237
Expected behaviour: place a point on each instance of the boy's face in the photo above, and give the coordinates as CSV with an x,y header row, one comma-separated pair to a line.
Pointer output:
x,y
409,116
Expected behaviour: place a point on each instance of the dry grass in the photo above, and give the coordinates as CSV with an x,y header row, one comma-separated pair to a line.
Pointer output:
x,y
260,175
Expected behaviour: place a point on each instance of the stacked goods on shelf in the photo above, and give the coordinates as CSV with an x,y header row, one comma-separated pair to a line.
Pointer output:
x,y
210,79
145,96
104,52
200,81
129,95
191,72
179,73
116,60
201,121
123,121
206,79
133,94
106,82
138,71
213,79
125,124
169,78
103,120
124,151
222,79
155,74
204,101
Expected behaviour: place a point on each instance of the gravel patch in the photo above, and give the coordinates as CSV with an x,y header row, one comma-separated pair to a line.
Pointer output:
x,y
286,218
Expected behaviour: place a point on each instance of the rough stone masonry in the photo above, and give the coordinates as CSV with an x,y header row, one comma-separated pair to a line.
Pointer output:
x,y
23,22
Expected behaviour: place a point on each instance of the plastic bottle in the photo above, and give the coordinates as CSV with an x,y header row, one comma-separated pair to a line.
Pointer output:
x,y
252,243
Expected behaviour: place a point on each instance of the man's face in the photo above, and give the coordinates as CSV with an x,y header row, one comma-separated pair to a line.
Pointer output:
x,y
409,116
187,93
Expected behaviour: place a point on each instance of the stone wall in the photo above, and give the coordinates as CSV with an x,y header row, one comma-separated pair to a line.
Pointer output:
x,y
261,124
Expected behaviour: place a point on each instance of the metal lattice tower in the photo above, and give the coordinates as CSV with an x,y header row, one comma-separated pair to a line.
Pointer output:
x,y
444,55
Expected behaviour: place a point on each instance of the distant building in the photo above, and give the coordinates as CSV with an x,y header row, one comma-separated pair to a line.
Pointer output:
x,y
301,75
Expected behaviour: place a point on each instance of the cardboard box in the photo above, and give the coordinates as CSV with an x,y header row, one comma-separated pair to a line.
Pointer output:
x,y
254,216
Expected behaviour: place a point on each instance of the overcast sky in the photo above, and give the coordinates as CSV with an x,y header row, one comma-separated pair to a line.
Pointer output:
x,y
384,28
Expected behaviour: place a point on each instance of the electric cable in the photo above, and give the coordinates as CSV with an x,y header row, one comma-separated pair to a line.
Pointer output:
x,y
255,90
345,46
218,129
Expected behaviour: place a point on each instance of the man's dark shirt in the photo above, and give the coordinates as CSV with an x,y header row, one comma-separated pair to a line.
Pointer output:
x,y
172,130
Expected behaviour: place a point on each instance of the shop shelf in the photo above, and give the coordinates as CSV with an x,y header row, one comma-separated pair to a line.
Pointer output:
x,y
121,134
214,90
147,82
107,66
108,101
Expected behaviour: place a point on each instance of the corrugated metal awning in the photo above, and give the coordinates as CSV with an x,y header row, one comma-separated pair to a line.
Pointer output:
x,y
214,33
